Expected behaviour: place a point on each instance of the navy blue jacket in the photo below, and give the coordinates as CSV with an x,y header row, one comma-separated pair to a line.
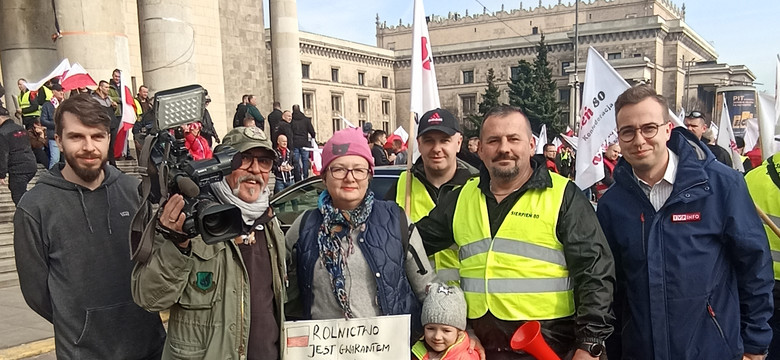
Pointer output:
x,y
694,280
384,252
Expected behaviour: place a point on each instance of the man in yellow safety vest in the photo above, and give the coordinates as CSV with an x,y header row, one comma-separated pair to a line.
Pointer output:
x,y
530,247
437,172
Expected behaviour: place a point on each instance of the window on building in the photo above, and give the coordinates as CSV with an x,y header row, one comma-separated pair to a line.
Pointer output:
x,y
335,103
637,55
564,65
305,71
362,106
386,126
468,76
308,100
514,72
564,96
535,30
386,107
361,78
361,123
468,104
334,74
614,56
336,124
385,82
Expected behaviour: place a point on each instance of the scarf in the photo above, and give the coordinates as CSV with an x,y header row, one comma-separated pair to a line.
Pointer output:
x,y
336,225
249,211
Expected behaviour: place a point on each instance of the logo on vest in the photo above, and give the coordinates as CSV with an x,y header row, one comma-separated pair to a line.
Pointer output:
x,y
525,214
689,217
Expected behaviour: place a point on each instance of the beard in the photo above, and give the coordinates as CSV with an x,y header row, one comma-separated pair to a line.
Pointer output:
x,y
85,173
257,178
505,173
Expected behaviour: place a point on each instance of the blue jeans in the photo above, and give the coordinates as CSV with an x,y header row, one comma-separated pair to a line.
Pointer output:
x,y
54,153
302,166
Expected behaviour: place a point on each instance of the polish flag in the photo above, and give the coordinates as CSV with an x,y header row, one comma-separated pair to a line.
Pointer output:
x,y
726,139
297,336
76,77
603,85
128,119
58,72
424,89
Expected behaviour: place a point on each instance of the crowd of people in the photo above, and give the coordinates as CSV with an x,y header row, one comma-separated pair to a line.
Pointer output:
x,y
674,263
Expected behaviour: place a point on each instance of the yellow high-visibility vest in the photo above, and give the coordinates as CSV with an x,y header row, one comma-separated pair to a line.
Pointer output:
x,y
521,273
24,101
446,261
766,195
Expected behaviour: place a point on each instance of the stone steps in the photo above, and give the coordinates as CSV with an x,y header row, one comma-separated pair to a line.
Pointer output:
x,y
8,275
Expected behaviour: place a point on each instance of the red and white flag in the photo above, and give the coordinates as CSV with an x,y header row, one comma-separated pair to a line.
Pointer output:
x,y
424,89
128,119
726,139
602,87
76,77
61,69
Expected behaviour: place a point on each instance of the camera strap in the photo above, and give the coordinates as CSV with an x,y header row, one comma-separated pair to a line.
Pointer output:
x,y
142,227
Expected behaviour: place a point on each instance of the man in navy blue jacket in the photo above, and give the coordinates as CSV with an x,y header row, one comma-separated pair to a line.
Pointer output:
x,y
694,271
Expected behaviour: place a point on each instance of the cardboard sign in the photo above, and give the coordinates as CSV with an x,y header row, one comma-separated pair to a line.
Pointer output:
x,y
376,338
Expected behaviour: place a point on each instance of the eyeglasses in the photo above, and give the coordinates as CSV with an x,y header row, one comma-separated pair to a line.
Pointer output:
x,y
340,173
265,163
695,115
648,131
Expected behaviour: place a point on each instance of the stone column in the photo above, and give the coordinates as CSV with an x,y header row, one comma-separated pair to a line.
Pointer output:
x,y
285,53
167,43
93,35
26,48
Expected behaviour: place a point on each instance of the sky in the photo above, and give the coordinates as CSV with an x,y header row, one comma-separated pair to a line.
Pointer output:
x,y
743,32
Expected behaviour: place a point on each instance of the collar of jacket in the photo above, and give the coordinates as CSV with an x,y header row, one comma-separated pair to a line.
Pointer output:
x,y
693,158
463,173
540,178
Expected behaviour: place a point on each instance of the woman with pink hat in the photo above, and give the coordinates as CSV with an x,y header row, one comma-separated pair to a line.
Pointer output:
x,y
355,255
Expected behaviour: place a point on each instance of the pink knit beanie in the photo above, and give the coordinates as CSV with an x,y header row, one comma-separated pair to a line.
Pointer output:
x,y
344,143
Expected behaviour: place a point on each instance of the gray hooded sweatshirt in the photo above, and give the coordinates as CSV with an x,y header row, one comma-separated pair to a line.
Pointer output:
x,y
73,259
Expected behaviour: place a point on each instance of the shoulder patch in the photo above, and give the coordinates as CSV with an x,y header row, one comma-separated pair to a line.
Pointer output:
x,y
204,282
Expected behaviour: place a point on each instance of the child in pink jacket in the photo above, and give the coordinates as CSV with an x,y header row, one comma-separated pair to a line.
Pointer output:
x,y
444,322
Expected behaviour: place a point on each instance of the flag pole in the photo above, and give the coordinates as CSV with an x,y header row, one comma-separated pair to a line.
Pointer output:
x,y
409,161
767,220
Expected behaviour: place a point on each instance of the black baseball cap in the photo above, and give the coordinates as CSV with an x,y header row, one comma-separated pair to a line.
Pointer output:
x,y
438,120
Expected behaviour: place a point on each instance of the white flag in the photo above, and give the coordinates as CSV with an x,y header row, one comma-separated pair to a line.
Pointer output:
x,y
751,134
346,123
767,118
726,139
602,87
61,69
777,96
542,140
424,90
402,133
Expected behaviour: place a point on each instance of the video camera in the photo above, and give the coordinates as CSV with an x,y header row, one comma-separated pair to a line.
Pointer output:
x,y
171,169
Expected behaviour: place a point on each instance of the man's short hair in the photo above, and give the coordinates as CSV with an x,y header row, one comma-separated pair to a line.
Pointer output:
x,y
296,107
143,87
474,138
244,97
504,111
548,145
102,82
116,71
86,109
277,104
375,135
250,97
639,93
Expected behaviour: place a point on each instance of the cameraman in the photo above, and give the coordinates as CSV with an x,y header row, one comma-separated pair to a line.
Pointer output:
x,y
211,288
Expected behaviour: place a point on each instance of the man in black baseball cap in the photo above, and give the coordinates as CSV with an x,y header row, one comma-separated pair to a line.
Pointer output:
x,y
434,174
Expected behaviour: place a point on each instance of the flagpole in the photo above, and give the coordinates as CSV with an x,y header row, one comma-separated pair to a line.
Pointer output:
x,y
409,160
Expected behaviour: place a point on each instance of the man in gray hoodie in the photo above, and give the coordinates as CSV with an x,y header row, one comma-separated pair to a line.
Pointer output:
x,y
71,243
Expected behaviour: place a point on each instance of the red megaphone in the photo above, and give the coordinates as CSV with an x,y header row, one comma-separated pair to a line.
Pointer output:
x,y
528,338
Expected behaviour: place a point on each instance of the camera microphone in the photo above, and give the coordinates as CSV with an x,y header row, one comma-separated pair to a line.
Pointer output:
x,y
187,187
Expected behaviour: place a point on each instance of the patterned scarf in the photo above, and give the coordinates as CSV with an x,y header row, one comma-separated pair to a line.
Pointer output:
x,y
336,225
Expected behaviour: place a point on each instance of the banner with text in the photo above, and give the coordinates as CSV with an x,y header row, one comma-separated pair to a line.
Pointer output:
x,y
602,87
375,338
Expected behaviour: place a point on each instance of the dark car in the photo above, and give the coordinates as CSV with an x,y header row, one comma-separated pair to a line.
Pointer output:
x,y
303,195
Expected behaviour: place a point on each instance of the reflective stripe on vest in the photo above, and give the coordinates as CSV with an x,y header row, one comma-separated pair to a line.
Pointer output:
x,y
446,261
521,273
766,195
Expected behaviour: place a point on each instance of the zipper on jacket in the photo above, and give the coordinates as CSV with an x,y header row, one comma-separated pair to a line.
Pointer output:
x,y
644,247
241,346
715,321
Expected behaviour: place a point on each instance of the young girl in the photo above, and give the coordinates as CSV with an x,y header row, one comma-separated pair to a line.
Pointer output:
x,y
444,322
196,143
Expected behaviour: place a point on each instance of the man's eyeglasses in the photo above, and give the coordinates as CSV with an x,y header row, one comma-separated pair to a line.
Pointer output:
x,y
695,115
265,162
340,173
648,131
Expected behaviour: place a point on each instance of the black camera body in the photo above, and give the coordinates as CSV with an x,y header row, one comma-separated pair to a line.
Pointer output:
x,y
172,170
